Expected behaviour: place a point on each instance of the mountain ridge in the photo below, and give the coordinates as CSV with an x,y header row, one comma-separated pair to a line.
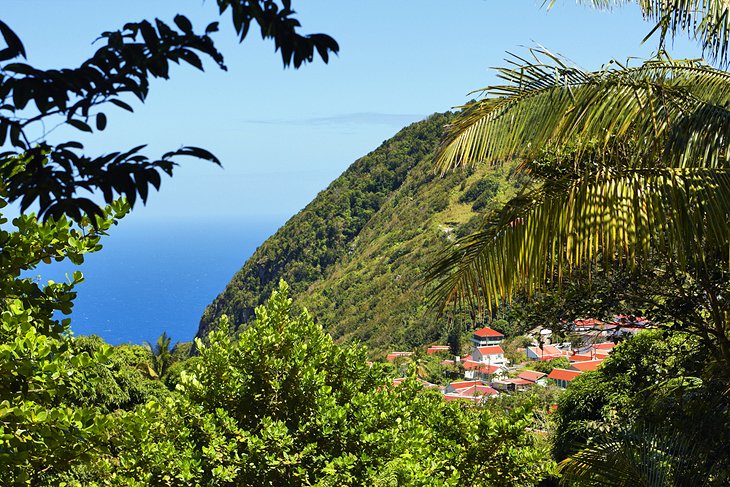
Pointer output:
x,y
355,255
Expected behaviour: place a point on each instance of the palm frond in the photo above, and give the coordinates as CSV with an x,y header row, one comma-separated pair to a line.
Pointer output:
x,y
641,458
706,21
678,110
619,214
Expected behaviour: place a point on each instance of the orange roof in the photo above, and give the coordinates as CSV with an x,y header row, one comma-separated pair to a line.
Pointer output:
x,y
580,358
491,350
520,381
563,374
394,355
465,383
531,375
586,366
481,367
471,364
604,346
487,332
437,349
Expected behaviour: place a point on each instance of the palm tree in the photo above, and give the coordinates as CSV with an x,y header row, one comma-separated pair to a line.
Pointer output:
x,y
641,458
161,354
626,162
419,363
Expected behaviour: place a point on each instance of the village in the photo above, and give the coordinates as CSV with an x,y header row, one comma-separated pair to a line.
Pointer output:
x,y
487,372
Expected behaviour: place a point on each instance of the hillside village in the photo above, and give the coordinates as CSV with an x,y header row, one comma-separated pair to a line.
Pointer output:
x,y
486,372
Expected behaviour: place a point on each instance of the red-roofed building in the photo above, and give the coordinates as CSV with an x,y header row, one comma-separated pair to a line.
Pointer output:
x,y
493,355
533,376
587,324
437,349
394,355
547,352
586,366
486,336
463,384
563,377
479,370
475,393
604,346
579,357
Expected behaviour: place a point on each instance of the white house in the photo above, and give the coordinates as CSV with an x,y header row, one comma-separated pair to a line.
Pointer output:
x,y
492,355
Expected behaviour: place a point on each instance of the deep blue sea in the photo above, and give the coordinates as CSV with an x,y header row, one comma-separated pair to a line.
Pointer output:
x,y
155,276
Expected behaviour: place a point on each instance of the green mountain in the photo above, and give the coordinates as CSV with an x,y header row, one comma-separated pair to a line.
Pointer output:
x,y
355,256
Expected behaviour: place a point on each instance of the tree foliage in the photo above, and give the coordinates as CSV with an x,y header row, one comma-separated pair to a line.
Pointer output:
x,y
281,404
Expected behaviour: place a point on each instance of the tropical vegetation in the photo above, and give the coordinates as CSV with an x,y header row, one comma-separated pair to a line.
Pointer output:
x,y
628,170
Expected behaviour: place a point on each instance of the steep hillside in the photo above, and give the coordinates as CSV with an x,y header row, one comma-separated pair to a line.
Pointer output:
x,y
356,254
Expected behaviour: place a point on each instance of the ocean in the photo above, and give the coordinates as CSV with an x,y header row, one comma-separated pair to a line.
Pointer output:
x,y
155,276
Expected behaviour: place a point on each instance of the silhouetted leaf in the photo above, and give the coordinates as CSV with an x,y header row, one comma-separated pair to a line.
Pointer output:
x,y
79,125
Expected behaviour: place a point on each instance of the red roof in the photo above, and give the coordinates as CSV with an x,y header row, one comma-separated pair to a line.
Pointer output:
x,y
487,332
531,375
586,366
591,322
474,391
491,350
471,364
520,381
481,367
580,357
437,349
394,355
465,383
604,346
563,374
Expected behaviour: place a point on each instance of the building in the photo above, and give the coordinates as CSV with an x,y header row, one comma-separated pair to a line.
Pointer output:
x,y
479,370
547,352
534,376
392,356
484,337
563,377
512,385
586,366
492,354
473,391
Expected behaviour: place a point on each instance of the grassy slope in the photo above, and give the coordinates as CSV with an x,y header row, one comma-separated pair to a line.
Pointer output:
x,y
355,255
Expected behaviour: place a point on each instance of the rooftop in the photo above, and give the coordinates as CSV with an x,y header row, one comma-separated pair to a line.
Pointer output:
x,y
487,332
563,374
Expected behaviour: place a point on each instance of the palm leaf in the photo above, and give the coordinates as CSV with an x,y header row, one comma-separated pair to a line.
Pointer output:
x,y
677,109
620,214
641,458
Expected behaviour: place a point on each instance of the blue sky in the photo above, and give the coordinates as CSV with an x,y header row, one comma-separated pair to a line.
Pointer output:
x,y
284,134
